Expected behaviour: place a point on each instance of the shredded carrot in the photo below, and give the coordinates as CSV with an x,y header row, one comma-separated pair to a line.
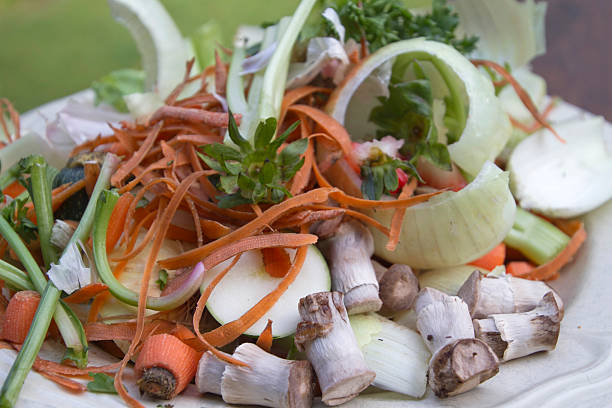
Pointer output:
x,y
522,94
63,193
220,75
276,261
92,170
86,293
333,128
213,229
294,95
302,177
343,198
117,221
550,270
64,382
197,116
125,330
92,144
398,216
308,217
535,126
14,115
126,168
196,221
520,268
191,257
355,214
493,258
264,341
19,315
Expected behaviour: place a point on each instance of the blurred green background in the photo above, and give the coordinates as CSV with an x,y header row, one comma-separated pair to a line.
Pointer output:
x,y
51,48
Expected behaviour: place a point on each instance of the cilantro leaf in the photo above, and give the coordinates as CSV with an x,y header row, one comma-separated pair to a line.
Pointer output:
x,y
385,21
101,383
251,174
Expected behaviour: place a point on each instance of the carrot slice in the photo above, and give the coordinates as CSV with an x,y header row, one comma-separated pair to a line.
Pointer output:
x,y
170,353
118,218
126,168
14,189
19,315
493,258
519,268
264,341
276,261
550,270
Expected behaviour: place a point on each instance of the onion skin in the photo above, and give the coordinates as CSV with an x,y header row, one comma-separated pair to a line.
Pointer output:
x,y
452,228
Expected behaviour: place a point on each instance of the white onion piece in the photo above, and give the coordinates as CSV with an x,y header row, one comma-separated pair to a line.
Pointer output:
x,y
563,179
452,228
487,127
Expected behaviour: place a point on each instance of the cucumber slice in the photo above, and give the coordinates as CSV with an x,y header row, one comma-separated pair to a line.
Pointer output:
x,y
248,282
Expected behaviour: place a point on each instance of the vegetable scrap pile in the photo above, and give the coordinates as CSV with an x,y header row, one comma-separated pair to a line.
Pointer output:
x,y
262,213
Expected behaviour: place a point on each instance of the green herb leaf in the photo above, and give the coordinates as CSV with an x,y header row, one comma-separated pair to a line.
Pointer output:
x,y
101,383
385,21
162,281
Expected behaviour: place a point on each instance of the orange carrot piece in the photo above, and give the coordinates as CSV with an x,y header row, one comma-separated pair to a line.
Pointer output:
x,y
294,95
86,293
126,168
64,382
117,221
265,339
550,270
62,193
125,330
213,229
197,116
92,144
276,261
493,258
193,256
19,315
332,127
519,268
91,172
220,75
398,216
302,177
344,198
170,353
520,92
14,189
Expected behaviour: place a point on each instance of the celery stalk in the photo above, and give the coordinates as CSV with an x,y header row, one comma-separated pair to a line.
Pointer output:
x,y
23,363
14,277
41,197
536,238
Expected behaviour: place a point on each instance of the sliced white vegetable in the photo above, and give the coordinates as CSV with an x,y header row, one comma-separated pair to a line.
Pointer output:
x,y
487,127
163,50
509,31
447,280
248,282
396,353
452,228
535,86
563,179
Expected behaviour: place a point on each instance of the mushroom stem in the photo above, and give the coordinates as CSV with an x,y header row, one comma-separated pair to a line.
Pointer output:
x,y
460,362
398,287
330,345
268,380
209,374
348,252
520,334
490,295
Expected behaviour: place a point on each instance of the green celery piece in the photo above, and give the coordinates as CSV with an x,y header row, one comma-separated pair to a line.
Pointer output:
x,y
41,197
14,277
536,238
38,330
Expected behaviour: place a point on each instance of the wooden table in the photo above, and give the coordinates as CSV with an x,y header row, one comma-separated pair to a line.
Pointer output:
x,y
578,62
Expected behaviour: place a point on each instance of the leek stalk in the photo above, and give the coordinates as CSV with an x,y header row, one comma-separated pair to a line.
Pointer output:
x,y
536,238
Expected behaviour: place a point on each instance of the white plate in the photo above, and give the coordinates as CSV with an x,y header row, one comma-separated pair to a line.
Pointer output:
x,y
577,374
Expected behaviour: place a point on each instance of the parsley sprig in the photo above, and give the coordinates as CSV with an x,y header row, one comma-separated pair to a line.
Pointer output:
x,y
252,174
379,174
385,21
